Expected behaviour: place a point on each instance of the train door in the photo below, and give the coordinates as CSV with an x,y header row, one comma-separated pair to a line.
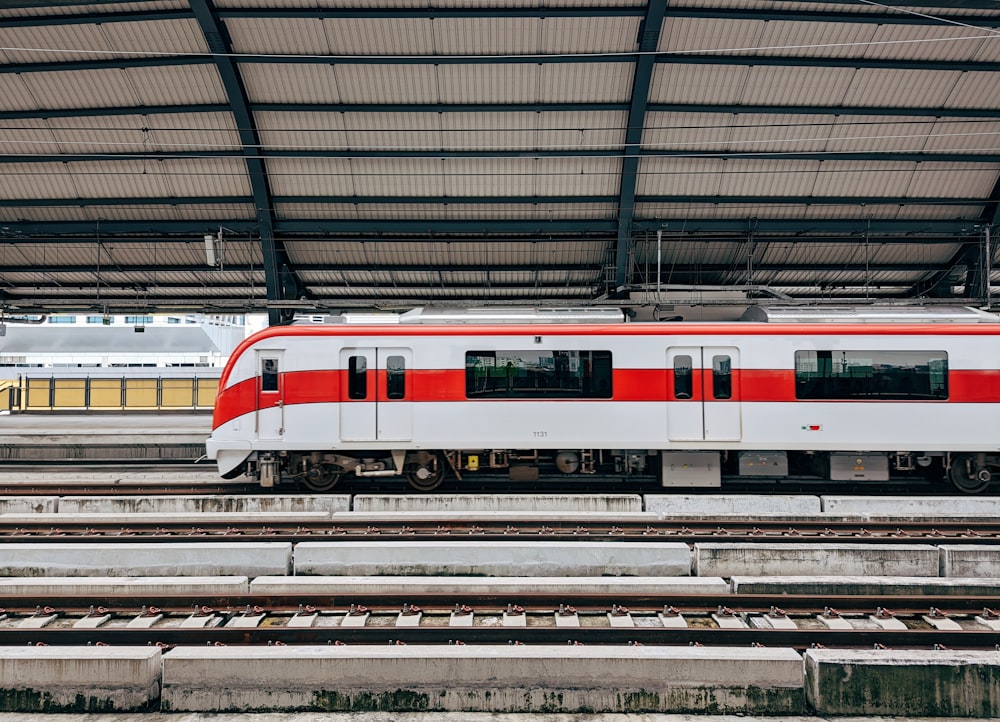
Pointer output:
x,y
703,394
270,414
376,401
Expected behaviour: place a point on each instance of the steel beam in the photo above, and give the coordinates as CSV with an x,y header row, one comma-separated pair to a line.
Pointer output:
x,y
708,58
425,230
629,152
278,273
859,201
701,108
649,39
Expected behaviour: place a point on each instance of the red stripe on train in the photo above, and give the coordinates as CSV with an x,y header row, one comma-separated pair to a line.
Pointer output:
x,y
729,331
631,385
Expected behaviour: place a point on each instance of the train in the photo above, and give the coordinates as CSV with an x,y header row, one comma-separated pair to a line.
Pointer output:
x,y
852,394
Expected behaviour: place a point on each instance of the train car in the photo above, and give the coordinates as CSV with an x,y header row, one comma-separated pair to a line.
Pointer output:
x,y
852,394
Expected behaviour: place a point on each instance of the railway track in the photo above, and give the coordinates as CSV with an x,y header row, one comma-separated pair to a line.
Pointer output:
x,y
496,528
914,622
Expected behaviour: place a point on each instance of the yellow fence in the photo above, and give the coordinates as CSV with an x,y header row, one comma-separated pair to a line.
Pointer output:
x,y
108,394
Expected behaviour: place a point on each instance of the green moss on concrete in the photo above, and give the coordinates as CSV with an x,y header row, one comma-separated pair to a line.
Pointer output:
x,y
400,700
31,700
926,691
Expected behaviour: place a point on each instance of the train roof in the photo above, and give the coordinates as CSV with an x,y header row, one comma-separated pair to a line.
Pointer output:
x,y
443,316
868,314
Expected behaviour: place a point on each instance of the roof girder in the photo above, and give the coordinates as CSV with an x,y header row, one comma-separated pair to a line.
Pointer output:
x,y
276,264
63,231
626,57
741,109
649,38
419,13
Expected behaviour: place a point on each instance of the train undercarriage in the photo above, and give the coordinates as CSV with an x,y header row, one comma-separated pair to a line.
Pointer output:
x,y
426,470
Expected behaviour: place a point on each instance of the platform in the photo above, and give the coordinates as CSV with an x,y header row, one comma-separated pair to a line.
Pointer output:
x,y
79,679
826,586
854,560
910,682
339,586
100,587
103,437
503,678
493,559
128,559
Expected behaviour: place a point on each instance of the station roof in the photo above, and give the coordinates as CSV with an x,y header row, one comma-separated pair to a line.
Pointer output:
x,y
391,153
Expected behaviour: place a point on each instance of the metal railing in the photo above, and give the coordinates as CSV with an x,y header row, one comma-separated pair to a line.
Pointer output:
x,y
171,392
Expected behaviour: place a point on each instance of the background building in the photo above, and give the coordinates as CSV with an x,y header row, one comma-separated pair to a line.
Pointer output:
x,y
94,341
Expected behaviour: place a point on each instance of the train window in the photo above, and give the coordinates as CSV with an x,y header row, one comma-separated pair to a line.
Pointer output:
x,y
357,377
722,377
395,377
538,374
871,375
269,374
683,380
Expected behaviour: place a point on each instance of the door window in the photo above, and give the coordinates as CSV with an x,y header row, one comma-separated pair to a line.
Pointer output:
x,y
395,377
357,377
269,374
722,377
683,381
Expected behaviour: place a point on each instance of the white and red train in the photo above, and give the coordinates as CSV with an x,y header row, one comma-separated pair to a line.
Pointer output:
x,y
425,394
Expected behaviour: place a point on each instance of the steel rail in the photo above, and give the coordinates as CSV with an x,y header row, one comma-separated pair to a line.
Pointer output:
x,y
498,528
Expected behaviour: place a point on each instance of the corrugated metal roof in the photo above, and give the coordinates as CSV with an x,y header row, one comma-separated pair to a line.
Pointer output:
x,y
781,85
974,89
900,88
291,82
822,6
954,180
537,140
86,8
424,3
444,254
120,254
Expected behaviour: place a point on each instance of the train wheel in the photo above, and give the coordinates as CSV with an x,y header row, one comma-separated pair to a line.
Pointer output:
x,y
321,479
427,477
966,475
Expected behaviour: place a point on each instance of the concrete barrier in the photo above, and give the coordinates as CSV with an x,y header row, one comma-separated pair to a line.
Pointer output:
x,y
564,503
122,586
195,519
970,560
869,586
909,506
546,678
853,560
750,505
193,504
903,683
79,679
28,504
556,520
513,558
340,586
81,559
